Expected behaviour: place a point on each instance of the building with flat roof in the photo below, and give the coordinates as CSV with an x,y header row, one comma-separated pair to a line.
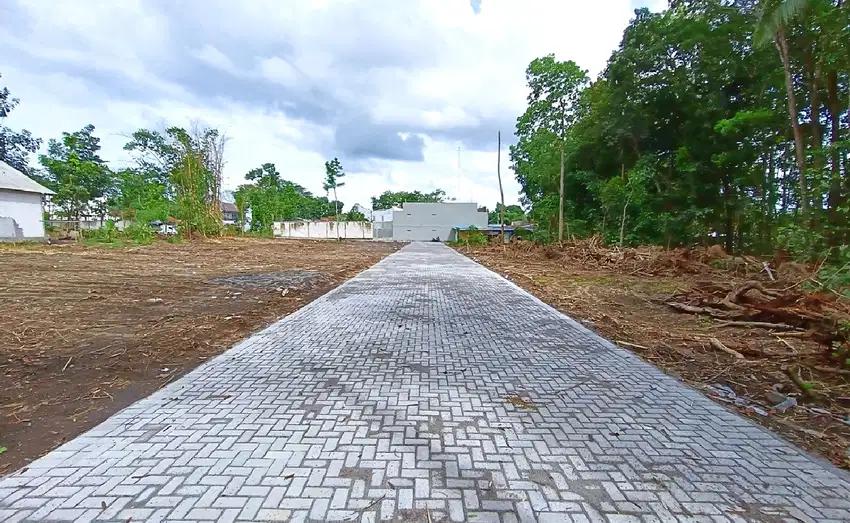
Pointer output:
x,y
435,221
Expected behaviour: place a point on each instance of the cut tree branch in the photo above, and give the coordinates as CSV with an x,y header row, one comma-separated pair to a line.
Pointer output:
x,y
715,343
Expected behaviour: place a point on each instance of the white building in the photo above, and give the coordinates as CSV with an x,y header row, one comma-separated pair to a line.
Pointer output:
x,y
21,206
383,215
428,221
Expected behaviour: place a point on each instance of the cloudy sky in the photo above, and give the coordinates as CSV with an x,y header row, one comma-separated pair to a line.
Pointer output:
x,y
391,87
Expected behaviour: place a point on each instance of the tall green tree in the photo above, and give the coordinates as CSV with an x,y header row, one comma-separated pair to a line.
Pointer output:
x,y
774,18
696,132
74,170
513,213
555,88
140,196
188,165
271,198
264,197
15,146
333,174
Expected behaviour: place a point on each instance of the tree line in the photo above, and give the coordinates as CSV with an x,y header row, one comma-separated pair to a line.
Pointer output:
x,y
176,174
270,198
715,121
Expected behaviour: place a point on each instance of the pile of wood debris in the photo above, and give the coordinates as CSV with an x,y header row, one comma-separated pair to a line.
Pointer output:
x,y
771,298
820,316
647,260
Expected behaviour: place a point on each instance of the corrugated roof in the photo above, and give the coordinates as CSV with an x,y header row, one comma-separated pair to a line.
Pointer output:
x,y
14,180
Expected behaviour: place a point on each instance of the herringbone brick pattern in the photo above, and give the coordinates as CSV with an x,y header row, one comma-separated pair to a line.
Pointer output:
x,y
426,389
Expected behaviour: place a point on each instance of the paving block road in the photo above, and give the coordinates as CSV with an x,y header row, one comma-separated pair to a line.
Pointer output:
x,y
428,388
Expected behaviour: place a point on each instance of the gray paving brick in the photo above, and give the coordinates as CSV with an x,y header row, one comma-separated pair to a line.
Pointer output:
x,y
390,396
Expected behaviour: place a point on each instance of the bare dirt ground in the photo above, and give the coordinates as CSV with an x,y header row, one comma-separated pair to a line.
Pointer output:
x,y
86,331
624,296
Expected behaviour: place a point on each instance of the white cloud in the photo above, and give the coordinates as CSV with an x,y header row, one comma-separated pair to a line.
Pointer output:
x,y
215,58
278,71
280,81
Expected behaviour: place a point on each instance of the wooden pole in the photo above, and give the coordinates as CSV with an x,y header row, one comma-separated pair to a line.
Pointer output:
x,y
501,190
561,200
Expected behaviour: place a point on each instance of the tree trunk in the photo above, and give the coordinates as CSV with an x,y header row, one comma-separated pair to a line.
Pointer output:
x,y
836,197
623,220
729,226
561,200
817,142
772,199
781,43
764,191
846,162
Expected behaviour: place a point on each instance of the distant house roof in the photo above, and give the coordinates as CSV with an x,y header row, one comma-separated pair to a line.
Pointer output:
x,y
494,227
12,179
229,207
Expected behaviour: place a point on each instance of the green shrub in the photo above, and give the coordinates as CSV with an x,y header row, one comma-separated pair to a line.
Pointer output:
x,y
139,233
544,236
475,237
231,230
523,234
106,234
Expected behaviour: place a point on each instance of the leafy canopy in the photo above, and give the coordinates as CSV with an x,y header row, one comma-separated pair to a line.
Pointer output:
x,y
393,199
15,146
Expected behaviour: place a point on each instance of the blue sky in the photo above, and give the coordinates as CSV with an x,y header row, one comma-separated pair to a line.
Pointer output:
x,y
391,88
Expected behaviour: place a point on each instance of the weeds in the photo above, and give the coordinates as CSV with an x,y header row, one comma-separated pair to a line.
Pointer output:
x,y
109,234
475,237
835,277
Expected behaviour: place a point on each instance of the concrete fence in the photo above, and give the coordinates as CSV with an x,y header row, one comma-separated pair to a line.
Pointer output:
x,y
383,230
323,230
90,224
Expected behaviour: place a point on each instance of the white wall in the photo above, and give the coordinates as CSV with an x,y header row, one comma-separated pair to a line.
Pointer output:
x,y
20,216
323,230
87,224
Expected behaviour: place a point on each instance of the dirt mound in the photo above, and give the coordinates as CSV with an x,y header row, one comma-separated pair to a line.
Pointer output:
x,y
793,271
295,279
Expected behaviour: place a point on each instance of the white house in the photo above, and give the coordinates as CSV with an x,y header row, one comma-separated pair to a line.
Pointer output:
x,y
383,215
21,209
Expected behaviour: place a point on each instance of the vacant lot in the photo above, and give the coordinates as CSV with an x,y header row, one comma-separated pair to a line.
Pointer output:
x,y
624,296
86,331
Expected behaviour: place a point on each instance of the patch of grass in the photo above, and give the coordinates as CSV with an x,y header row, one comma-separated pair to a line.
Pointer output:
x,y
603,279
24,245
653,285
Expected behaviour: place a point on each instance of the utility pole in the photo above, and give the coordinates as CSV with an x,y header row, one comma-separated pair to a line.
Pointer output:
x,y
501,190
457,187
